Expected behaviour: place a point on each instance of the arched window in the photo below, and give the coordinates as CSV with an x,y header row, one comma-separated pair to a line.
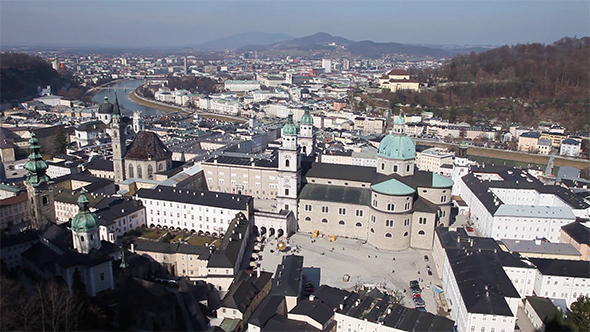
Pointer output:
x,y
91,237
160,167
102,276
421,233
358,224
130,175
307,219
406,234
387,234
304,149
150,172
395,168
287,162
139,173
325,221
45,200
390,207
81,239
341,222
372,230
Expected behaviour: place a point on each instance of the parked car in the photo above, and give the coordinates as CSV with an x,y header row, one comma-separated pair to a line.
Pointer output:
x,y
414,283
429,272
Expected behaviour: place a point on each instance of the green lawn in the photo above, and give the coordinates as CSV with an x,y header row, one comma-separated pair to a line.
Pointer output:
x,y
152,234
201,240
179,237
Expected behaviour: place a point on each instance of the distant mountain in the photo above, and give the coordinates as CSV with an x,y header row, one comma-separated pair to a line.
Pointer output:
x,y
367,48
313,41
243,39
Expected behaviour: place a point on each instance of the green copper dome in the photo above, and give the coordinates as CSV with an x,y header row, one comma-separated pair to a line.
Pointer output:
x,y
307,119
106,107
397,147
393,187
36,166
84,220
290,129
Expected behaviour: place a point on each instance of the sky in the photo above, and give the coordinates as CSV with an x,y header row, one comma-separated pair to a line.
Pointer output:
x,y
153,23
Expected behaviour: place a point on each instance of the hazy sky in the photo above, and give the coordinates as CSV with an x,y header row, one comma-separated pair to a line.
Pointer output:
x,y
187,23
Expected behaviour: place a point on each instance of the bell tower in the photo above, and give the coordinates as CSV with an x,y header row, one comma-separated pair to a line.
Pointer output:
x,y
306,138
85,227
38,184
289,176
118,143
460,167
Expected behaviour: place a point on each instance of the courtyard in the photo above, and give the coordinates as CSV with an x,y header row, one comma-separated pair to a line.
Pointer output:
x,y
364,264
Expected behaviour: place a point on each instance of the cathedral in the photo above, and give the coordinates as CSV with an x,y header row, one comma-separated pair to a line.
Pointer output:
x,y
145,156
392,206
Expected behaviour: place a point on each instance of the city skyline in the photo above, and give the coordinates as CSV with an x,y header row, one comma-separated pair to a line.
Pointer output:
x,y
187,24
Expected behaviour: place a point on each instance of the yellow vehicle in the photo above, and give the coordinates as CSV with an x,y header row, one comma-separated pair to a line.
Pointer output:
x,y
315,233
333,238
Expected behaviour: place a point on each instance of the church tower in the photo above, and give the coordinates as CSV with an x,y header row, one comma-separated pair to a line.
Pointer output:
x,y
118,143
138,124
460,167
306,138
85,227
289,168
38,185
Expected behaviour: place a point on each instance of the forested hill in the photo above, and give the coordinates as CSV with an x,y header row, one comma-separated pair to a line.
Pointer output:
x,y
558,70
522,83
21,74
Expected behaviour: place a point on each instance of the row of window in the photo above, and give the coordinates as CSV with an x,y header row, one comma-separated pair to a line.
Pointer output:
x,y
395,167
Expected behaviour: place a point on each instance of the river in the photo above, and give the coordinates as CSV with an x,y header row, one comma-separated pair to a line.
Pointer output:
x,y
127,105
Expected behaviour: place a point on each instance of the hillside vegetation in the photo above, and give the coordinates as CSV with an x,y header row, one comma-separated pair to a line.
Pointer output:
x,y
21,74
522,83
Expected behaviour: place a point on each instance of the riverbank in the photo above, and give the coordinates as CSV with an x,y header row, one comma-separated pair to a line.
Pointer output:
x,y
517,156
134,97
149,103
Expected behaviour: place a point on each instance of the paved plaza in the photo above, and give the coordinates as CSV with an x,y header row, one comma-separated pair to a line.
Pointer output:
x,y
362,262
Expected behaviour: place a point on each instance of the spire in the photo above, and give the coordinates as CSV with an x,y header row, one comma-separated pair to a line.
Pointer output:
x,y
289,129
84,220
83,200
307,119
117,110
36,166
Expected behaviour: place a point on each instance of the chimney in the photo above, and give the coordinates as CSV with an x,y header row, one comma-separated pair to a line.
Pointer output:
x,y
258,273
312,297
537,241
133,248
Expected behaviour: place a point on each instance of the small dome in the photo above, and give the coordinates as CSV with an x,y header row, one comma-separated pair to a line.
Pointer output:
x,y
393,187
84,220
290,129
399,120
106,107
397,147
307,119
